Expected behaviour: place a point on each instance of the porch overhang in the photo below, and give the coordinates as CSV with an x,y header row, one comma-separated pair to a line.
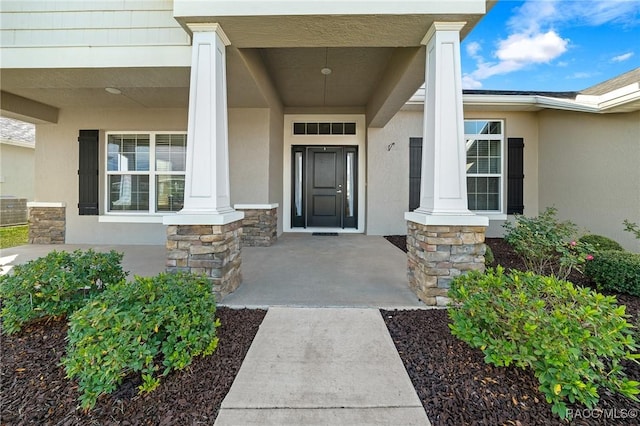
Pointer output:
x,y
372,50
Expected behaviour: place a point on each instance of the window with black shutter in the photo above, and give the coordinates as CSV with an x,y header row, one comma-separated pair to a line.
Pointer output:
x,y
515,176
88,172
415,170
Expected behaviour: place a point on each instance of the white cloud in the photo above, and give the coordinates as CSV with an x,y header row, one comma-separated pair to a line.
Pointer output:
x,y
469,82
622,58
536,48
579,74
535,33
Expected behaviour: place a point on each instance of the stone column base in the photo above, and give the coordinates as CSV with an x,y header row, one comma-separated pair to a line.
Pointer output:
x,y
212,250
437,254
260,224
47,223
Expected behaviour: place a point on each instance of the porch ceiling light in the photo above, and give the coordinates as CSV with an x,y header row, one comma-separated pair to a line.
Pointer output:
x,y
113,90
326,71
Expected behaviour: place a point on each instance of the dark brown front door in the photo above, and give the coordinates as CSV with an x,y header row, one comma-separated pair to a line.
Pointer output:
x,y
325,179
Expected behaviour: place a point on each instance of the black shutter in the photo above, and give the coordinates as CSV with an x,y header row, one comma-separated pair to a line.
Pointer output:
x,y
88,172
415,171
515,176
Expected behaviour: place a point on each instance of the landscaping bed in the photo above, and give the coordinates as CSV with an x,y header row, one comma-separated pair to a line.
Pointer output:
x,y
457,387
34,390
452,380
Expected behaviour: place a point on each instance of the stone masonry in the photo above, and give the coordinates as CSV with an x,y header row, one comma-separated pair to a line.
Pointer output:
x,y
212,250
47,225
437,254
259,227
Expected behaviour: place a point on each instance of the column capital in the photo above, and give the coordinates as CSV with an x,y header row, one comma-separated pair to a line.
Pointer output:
x,y
442,26
204,27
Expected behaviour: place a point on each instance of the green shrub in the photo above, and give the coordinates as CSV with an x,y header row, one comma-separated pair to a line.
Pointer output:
x,y
616,271
600,243
151,326
573,339
547,246
55,285
488,256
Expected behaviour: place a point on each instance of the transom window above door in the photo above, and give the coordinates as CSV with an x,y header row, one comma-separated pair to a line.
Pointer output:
x,y
325,128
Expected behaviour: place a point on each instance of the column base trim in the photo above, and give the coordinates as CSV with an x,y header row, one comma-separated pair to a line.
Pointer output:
x,y
203,219
447,220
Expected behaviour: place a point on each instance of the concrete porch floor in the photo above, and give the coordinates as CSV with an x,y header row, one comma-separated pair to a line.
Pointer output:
x,y
300,270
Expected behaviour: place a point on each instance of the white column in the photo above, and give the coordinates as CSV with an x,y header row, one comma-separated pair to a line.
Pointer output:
x,y
207,194
443,191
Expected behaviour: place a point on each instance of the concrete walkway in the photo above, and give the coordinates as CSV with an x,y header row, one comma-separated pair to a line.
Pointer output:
x,y
319,366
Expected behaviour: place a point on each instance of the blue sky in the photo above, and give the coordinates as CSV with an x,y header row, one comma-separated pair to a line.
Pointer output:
x,y
554,45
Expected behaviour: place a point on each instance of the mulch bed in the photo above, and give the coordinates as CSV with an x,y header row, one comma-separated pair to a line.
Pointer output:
x,y
455,385
33,388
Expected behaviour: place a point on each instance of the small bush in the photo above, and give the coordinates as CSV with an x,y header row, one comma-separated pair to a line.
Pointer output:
x,y
547,246
573,339
488,256
55,285
600,243
151,325
616,271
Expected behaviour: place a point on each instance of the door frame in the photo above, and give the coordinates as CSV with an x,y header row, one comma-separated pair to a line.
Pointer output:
x,y
358,140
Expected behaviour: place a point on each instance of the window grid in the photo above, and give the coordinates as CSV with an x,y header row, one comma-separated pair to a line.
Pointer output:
x,y
485,156
156,183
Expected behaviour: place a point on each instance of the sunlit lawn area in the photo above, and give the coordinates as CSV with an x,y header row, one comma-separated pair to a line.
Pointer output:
x,y
11,236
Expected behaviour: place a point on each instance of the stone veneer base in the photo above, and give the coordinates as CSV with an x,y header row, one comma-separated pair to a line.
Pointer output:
x,y
47,225
259,227
437,254
212,250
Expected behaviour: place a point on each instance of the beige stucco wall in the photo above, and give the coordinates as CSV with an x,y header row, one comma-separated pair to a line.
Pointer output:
x,y
388,169
249,155
276,146
388,173
590,170
517,125
16,171
56,169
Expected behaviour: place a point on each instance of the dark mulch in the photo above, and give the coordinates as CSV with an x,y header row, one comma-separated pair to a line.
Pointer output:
x,y
33,388
455,385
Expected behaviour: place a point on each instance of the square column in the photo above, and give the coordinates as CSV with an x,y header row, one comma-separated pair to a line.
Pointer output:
x,y
444,237
204,237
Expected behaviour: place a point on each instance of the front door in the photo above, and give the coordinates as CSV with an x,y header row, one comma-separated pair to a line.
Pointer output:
x,y
324,187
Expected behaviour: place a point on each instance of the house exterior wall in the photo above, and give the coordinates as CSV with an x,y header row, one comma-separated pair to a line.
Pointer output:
x,y
56,169
91,31
589,170
517,125
16,171
388,173
388,169
248,153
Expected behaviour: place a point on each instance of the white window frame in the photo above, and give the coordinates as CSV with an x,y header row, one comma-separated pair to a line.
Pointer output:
x,y
501,137
140,216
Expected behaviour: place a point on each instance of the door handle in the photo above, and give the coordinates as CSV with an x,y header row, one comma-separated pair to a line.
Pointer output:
x,y
339,191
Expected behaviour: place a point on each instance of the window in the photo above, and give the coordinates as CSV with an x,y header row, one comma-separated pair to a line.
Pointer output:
x,y
145,172
484,143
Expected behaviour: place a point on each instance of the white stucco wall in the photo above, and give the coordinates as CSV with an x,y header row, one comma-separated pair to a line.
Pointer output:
x,y
590,170
56,169
17,171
